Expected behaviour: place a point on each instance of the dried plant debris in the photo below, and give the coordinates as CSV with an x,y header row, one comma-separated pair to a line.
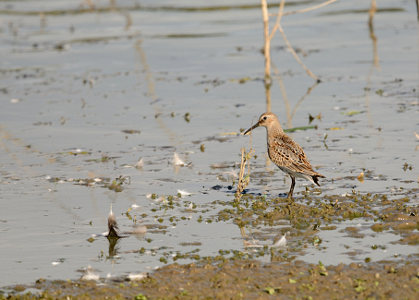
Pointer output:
x,y
115,185
131,131
244,178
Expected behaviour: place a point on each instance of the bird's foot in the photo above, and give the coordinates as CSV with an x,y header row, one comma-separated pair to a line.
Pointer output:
x,y
290,199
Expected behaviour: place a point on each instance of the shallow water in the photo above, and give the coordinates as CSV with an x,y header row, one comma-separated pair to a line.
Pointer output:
x,y
72,79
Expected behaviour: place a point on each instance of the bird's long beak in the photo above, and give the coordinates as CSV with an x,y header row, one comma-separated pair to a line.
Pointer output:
x,y
251,128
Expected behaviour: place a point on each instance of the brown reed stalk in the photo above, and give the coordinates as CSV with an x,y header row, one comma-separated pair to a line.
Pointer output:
x,y
296,57
371,14
267,44
244,178
268,36
304,10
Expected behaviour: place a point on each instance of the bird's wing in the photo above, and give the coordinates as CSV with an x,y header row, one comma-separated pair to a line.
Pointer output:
x,y
284,152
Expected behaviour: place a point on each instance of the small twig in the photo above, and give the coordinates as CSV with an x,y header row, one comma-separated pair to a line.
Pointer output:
x,y
297,58
304,10
278,19
302,98
128,19
284,95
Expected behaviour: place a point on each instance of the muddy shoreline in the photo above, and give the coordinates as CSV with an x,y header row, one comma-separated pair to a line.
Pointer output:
x,y
244,279
235,274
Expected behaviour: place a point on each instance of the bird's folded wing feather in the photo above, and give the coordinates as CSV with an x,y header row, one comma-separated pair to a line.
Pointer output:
x,y
284,152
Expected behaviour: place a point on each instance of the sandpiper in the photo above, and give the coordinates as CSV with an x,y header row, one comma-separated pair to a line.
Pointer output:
x,y
284,152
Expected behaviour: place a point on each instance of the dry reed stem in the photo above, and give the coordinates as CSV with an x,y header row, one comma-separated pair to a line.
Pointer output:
x,y
128,20
376,62
267,45
296,57
284,95
268,36
290,113
244,179
304,10
371,14
268,98
278,19
372,11
302,99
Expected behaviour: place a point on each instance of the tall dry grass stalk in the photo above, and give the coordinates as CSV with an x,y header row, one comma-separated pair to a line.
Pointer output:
x,y
268,36
267,45
244,178
371,14
304,10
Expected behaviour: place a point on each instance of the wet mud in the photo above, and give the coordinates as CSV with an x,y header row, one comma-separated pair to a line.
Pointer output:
x,y
244,279
234,274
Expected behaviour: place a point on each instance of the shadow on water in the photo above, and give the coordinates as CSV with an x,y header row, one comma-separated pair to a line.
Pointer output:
x,y
113,249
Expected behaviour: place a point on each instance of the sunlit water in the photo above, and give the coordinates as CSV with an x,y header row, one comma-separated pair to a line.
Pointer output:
x,y
185,76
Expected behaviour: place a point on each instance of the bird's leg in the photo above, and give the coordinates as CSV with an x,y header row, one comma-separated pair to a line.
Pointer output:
x,y
292,188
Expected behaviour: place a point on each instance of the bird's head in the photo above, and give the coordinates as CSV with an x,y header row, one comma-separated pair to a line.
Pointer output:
x,y
267,120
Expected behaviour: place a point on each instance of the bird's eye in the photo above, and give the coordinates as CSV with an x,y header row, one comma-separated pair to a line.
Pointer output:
x,y
264,118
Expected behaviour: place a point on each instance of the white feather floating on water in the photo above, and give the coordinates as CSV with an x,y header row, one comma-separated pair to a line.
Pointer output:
x,y
140,164
281,242
90,275
183,193
177,161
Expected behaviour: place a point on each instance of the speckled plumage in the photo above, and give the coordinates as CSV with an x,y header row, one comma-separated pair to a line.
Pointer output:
x,y
284,152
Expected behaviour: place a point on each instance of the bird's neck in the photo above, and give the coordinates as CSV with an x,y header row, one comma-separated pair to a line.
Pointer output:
x,y
274,130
